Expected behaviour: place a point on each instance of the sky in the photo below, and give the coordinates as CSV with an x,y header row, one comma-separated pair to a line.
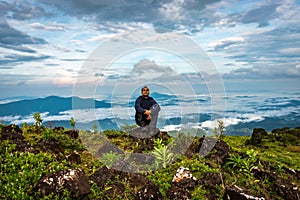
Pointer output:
x,y
47,47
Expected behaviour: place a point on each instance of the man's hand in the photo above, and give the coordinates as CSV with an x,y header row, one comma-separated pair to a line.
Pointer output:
x,y
147,112
149,117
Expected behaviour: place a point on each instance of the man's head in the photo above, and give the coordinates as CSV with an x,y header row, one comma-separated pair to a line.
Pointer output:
x,y
145,91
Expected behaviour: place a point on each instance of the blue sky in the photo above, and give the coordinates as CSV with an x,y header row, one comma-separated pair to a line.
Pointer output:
x,y
45,44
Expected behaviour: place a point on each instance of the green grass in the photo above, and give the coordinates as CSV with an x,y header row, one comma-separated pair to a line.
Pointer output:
x,y
20,171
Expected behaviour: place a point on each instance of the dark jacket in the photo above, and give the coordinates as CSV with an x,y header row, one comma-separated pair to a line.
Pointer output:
x,y
142,104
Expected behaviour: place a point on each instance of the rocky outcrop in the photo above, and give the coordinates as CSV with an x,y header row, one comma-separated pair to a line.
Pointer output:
x,y
210,182
14,135
148,190
182,183
73,180
257,137
220,152
284,188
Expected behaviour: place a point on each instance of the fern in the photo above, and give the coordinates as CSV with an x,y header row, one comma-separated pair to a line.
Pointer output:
x,y
163,155
110,158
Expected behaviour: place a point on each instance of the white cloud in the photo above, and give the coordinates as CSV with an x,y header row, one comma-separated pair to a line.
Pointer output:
x,y
51,27
77,42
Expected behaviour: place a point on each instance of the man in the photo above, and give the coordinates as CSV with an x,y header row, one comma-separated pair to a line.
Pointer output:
x,y
146,111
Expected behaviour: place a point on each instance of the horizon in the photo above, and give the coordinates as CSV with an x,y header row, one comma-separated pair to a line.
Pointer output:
x,y
268,110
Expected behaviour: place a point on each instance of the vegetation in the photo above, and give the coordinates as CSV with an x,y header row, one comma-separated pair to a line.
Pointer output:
x,y
219,131
42,151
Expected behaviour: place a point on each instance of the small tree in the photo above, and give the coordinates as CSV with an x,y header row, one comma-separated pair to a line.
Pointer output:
x,y
95,127
72,122
219,131
38,119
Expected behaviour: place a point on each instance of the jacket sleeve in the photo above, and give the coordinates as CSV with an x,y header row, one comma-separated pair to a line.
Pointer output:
x,y
138,107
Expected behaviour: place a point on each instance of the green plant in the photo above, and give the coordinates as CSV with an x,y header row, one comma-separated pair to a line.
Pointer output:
x,y
252,156
163,156
72,122
95,128
38,119
234,161
46,134
110,158
219,131
158,142
245,165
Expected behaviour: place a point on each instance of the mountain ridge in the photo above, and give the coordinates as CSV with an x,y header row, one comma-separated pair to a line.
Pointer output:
x,y
53,104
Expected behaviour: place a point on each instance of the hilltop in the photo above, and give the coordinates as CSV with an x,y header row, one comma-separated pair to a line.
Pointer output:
x,y
39,162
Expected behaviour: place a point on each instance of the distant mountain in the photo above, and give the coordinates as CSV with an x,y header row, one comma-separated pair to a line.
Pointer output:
x,y
51,104
157,95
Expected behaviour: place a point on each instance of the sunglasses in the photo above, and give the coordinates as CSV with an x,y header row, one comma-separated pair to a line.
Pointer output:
x,y
145,90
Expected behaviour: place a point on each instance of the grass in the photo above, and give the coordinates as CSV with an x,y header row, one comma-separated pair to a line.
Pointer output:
x,y
20,171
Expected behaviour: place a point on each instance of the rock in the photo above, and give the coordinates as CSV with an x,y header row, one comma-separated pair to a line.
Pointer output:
x,y
221,151
182,173
107,148
256,138
236,193
50,145
210,180
138,180
177,193
291,171
150,191
124,166
163,135
11,132
115,190
72,133
14,134
74,180
283,187
144,144
58,128
194,148
74,157
102,175
287,190
182,182
143,161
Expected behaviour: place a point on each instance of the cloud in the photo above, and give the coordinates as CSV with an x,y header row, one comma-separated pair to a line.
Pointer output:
x,y
15,79
227,43
260,15
51,27
150,70
22,10
265,72
21,48
111,15
148,66
17,59
11,36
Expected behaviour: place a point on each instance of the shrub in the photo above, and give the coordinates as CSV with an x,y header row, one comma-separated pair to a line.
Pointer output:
x,y
110,158
163,156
